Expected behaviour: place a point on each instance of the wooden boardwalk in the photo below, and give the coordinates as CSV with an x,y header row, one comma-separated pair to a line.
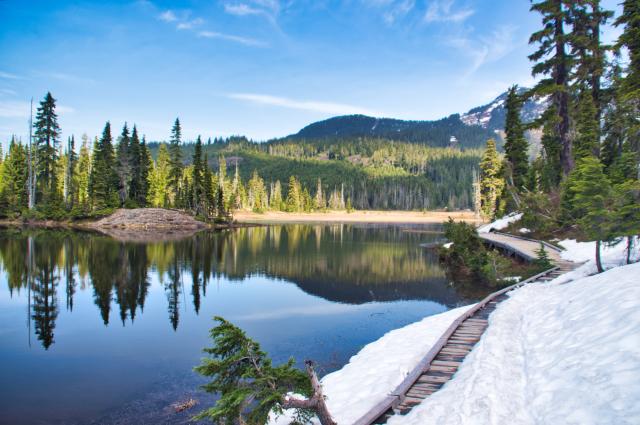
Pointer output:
x,y
447,354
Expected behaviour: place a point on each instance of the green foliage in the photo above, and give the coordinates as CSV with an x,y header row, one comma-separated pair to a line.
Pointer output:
x,y
468,255
542,258
47,139
491,182
249,385
516,146
103,180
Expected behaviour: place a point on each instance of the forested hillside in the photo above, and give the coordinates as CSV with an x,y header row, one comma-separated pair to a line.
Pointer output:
x,y
471,129
370,173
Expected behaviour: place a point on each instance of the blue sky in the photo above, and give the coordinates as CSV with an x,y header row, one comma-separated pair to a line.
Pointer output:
x,y
262,68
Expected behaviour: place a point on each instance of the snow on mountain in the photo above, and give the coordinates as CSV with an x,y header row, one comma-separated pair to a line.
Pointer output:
x,y
492,115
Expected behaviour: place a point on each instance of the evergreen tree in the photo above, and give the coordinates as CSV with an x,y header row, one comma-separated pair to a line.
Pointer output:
x,y
137,165
123,167
69,176
587,139
617,119
207,187
554,62
258,198
83,169
318,201
47,134
629,90
593,202
175,154
627,212
516,145
103,179
586,18
491,182
160,177
275,201
146,165
295,202
14,179
197,179
244,376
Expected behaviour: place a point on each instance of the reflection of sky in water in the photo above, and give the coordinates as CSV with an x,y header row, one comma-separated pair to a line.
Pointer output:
x,y
91,368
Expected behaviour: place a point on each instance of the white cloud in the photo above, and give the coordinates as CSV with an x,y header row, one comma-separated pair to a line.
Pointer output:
x,y
442,11
168,16
9,76
241,9
304,105
270,9
398,10
235,38
187,25
485,49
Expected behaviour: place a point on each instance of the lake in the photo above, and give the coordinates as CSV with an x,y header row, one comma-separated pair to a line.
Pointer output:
x,y
98,331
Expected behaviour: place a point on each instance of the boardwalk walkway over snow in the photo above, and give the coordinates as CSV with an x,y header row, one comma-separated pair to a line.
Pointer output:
x,y
443,360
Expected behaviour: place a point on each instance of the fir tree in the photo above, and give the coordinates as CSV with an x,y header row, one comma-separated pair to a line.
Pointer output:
x,y
123,167
627,212
137,165
554,62
593,204
175,153
47,134
207,187
275,201
629,89
542,258
197,192
295,202
83,169
318,201
14,178
491,182
160,177
516,145
69,176
244,376
103,179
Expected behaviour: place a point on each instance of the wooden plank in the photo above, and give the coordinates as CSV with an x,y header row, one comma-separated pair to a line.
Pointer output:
x,y
444,363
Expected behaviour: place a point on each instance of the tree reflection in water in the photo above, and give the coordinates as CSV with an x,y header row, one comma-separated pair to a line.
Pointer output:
x,y
352,264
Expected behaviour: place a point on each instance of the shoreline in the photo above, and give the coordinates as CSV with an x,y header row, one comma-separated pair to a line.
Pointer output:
x,y
365,216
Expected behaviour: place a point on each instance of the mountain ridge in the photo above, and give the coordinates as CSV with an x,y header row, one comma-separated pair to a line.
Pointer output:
x,y
470,129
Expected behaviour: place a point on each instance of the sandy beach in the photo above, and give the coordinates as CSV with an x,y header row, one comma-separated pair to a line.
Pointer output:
x,y
354,217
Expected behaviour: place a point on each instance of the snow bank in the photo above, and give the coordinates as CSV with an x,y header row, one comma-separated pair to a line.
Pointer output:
x,y
553,354
500,223
379,367
612,256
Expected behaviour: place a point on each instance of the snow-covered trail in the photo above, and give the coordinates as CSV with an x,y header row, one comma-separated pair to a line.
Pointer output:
x,y
553,353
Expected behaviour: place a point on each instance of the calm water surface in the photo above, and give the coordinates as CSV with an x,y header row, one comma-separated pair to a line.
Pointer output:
x,y
95,330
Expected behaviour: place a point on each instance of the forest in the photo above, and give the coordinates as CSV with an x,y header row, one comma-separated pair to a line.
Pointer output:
x,y
49,179
585,182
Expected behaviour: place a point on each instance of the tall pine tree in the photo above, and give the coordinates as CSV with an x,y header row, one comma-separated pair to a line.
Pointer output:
x,y
175,155
47,138
516,145
103,180
554,62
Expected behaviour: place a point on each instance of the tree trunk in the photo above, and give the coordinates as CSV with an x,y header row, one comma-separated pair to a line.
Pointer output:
x,y
629,248
598,259
561,96
315,403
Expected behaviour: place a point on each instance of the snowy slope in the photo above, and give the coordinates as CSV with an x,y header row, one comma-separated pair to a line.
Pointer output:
x,y
500,223
380,367
553,354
